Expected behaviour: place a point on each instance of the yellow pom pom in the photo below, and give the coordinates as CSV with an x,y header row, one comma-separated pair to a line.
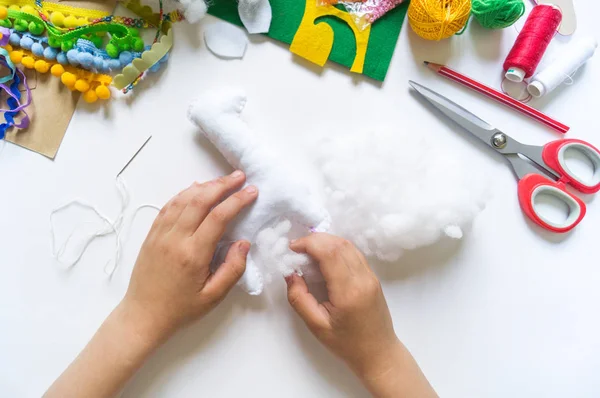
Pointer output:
x,y
14,7
57,70
90,97
103,92
8,48
437,20
70,21
28,62
82,86
42,66
82,21
3,12
68,79
57,18
29,10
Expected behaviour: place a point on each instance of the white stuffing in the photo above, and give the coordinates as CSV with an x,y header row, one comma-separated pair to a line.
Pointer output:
x,y
389,191
193,10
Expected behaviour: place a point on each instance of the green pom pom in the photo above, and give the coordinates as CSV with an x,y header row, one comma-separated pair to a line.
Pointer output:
x,y
52,42
134,32
36,28
5,23
497,14
21,25
138,44
66,45
112,50
124,46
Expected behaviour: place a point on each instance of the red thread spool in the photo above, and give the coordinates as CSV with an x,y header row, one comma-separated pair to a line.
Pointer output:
x,y
532,42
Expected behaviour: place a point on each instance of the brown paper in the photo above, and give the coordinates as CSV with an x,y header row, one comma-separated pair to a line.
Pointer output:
x,y
52,105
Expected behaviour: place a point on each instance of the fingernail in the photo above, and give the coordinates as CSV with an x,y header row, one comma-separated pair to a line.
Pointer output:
x,y
237,174
289,279
293,241
251,189
244,248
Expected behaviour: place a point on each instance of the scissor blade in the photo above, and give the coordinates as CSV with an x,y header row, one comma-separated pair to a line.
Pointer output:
x,y
476,126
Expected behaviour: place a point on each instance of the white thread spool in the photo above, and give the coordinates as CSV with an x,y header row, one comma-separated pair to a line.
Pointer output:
x,y
563,67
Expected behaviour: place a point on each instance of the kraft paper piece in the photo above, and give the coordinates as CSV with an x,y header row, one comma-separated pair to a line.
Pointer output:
x,y
314,33
52,105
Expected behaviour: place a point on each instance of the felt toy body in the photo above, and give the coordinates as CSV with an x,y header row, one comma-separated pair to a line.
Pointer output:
x,y
283,192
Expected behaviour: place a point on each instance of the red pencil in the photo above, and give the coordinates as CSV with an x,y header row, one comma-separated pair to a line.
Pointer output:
x,y
498,96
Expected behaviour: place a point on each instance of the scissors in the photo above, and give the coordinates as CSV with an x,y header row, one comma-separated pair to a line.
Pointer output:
x,y
544,173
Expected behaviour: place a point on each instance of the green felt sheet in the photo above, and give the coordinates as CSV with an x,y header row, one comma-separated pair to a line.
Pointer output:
x,y
287,15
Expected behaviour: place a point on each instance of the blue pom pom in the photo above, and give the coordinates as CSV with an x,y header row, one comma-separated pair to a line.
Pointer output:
x,y
155,68
61,58
37,49
114,64
98,63
164,59
26,43
72,57
50,53
125,58
15,39
85,59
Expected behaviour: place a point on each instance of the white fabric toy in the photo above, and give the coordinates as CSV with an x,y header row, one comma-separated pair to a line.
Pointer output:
x,y
285,193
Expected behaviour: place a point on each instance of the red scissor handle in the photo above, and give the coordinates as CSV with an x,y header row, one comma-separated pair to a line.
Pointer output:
x,y
554,157
533,185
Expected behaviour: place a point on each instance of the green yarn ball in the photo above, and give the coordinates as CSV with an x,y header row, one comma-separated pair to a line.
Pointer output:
x,y
497,14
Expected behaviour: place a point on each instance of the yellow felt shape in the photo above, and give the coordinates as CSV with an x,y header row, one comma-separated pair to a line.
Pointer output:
x,y
139,65
314,41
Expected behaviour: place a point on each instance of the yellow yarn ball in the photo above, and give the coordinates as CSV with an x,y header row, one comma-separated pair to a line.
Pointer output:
x,y
68,79
57,18
103,92
3,12
82,86
438,19
90,96
57,70
28,62
41,66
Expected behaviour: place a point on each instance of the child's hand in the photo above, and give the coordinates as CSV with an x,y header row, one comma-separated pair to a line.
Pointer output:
x,y
172,282
355,323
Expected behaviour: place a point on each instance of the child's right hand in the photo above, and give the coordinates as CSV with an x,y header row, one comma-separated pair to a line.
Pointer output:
x,y
355,323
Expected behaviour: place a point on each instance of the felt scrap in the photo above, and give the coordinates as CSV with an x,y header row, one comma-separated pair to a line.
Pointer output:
x,y
52,105
256,15
225,40
288,16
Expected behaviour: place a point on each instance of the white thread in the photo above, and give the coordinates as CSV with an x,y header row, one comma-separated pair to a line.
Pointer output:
x,y
563,68
109,227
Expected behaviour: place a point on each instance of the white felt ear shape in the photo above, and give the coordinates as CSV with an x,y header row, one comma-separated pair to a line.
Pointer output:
x,y
225,40
255,15
285,192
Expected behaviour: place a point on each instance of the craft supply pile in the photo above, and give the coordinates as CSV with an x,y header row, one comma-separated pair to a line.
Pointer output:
x,y
379,188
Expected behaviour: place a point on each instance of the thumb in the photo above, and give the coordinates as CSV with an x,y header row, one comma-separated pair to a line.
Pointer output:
x,y
228,273
305,304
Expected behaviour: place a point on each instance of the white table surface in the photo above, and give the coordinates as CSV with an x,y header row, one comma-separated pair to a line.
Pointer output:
x,y
509,311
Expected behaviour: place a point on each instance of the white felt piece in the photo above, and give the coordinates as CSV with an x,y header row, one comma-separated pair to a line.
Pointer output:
x,y
285,193
390,190
193,10
255,15
226,40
